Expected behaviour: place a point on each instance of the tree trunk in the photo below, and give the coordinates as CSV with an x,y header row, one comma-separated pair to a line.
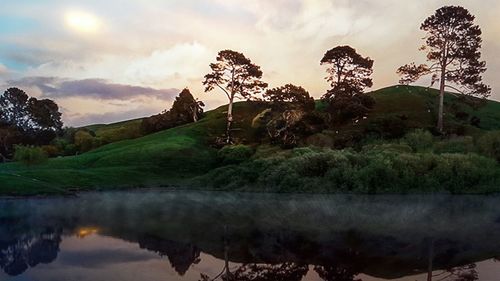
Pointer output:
x,y
430,260
440,126
229,119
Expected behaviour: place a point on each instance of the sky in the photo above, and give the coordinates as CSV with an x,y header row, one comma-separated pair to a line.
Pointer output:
x,y
110,60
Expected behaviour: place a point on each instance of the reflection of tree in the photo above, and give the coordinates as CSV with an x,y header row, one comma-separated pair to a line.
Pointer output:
x,y
336,273
180,255
29,250
462,273
264,272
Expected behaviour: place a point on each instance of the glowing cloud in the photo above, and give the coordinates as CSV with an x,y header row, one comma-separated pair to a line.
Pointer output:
x,y
82,21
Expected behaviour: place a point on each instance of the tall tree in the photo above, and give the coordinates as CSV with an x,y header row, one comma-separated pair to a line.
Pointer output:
x,y
349,75
453,44
237,77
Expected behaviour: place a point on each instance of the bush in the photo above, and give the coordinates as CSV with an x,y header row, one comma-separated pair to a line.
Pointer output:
x,y
455,145
419,140
368,171
390,127
489,144
235,154
29,155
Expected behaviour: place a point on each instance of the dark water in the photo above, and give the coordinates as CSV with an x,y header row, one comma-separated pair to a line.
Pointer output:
x,y
227,236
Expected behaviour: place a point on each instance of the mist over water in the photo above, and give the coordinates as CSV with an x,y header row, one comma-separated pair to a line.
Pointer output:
x,y
237,236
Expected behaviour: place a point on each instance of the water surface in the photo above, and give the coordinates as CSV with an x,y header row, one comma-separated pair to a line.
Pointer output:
x,y
231,236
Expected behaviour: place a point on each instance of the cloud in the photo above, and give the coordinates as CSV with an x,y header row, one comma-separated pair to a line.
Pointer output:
x,y
3,70
78,120
52,87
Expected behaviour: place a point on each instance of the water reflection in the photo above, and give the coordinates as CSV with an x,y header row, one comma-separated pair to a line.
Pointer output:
x,y
223,236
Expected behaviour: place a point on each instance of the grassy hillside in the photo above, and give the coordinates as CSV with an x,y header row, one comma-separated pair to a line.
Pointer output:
x,y
173,156
164,158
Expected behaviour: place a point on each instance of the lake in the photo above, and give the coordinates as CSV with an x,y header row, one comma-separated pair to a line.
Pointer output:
x,y
154,235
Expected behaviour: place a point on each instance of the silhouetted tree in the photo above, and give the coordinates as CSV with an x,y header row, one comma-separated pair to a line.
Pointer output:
x,y
349,75
14,108
45,113
290,95
25,120
453,44
237,77
185,109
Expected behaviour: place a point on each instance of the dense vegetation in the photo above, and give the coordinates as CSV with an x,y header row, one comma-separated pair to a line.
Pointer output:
x,y
393,158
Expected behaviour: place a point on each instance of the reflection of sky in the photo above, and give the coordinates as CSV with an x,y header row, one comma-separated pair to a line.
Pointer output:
x,y
169,44
100,258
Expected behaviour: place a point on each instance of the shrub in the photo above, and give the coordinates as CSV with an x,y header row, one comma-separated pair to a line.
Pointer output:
x,y
455,145
489,144
419,140
390,127
235,154
29,155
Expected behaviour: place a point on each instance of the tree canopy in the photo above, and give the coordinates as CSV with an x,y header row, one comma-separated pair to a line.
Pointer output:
x,y
292,95
452,44
349,73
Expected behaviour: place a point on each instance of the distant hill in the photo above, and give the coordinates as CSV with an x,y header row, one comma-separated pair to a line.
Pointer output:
x,y
171,157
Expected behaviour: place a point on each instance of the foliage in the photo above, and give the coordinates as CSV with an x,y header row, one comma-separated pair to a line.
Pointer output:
x,y
343,109
389,127
29,155
185,109
453,44
290,96
489,144
85,140
235,154
369,171
25,120
349,74
419,140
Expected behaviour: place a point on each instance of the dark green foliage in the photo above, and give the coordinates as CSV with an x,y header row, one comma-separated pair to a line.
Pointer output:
x,y
389,127
419,140
29,155
26,121
489,144
185,109
290,97
382,169
234,154
343,109
456,145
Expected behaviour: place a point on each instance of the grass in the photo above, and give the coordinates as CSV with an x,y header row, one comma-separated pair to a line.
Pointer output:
x,y
166,158
175,156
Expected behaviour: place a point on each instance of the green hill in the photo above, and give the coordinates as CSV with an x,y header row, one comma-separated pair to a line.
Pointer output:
x,y
176,155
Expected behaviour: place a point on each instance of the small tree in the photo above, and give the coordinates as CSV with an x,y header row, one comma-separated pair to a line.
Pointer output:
x,y
186,108
292,95
237,77
349,75
453,44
